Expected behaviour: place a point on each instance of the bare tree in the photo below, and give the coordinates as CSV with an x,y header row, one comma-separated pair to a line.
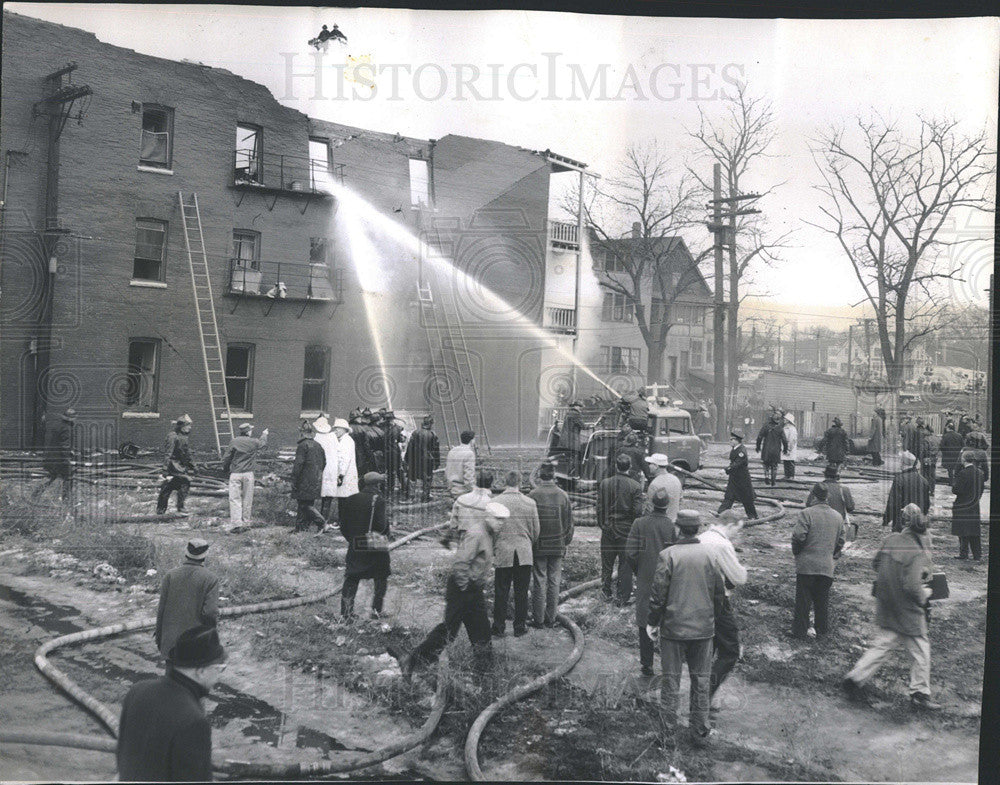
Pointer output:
x,y
888,194
649,265
736,140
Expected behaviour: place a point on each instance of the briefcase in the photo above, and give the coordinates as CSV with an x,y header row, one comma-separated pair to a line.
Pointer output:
x,y
939,586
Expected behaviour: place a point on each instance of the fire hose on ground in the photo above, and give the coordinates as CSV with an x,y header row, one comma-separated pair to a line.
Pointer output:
x,y
110,720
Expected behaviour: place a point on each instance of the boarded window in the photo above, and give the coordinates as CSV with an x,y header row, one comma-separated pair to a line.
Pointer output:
x,y
150,242
156,145
143,374
239,376
315,378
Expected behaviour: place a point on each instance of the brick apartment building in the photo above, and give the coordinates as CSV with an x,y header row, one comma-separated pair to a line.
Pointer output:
x,y
98,307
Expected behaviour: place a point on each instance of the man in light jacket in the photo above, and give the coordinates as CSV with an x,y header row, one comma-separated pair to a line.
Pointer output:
x,y
469,508
686,596
718,539
347,462
817,540
904,570
791,453
663,477
240,462
555,533
513,556
189,597
460,465
464,599
649,535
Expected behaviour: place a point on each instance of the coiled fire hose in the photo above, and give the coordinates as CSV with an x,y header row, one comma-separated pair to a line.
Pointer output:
x,y
110,720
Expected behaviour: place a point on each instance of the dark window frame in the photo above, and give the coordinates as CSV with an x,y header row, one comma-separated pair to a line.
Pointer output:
x,y
246,379
134,389
161,271
309,382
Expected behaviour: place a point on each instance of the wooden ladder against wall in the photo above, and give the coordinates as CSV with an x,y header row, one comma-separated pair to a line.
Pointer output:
x,y
208,325
439,365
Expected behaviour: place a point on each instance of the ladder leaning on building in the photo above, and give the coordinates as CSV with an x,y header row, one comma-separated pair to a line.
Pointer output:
x,y
208,326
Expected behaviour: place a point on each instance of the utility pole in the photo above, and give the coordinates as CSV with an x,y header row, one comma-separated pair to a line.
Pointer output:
x,y
718,320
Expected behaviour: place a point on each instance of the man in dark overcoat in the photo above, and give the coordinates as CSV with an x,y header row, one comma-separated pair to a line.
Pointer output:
x,y
877,437
178,466
771,442
835,444
423,456
619,502
569,435
163,733
951,450
909,486
739,487
359,514
189,597
649,535
307,478
966,522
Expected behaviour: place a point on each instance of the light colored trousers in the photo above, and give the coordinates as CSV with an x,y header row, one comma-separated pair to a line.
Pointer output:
x,y
240,497
919,648
546,575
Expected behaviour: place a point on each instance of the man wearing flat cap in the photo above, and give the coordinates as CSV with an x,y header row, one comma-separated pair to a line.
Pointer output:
x,y
649,535
687,594
163,733
189,597
360,514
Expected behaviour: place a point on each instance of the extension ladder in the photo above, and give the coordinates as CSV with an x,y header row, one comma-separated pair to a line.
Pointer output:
x,y
208,326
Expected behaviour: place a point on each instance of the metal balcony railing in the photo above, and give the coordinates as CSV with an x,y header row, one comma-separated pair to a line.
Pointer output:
x,y
560,319
285,172
286,280
564,234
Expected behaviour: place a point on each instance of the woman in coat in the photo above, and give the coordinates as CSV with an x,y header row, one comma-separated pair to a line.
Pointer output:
x,y
965,520
791,454
360,513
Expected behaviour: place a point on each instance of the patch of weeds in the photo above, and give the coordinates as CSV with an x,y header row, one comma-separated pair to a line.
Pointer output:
x,y
130,554
247,580
20,515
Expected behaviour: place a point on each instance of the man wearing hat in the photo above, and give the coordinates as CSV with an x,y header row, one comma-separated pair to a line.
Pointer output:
x,y
649,535
569,436
465,602
423,456
163,733
718,539
966,522
555,533
687,594
771,442
346,480
663,478
817,542
360,514
838,496
834,444
189,597
307,478
619,502
739,487
907,486
904,568
177,467
240,462
59,448
791,453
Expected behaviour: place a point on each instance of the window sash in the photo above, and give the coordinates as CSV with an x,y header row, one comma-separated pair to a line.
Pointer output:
x,y
155,139
142,373
315,378
239,376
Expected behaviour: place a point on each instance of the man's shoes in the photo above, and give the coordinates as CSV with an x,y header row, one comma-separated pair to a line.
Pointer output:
x,y
520,632
703,739
404,660
496,633
962,558
647,671
607,594
922,701
183,514
536,625
855,692
161,512
551,624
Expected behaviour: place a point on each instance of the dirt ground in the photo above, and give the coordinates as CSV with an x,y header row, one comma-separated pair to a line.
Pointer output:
x,y
304,686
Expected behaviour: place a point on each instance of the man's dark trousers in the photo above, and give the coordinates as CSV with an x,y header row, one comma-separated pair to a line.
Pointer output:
x,y
814,591
307,514
461,606
350,591
789,467
973,543
727,645
520,576
613,547
175,482
645,649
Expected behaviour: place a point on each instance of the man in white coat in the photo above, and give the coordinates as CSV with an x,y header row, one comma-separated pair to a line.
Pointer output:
x,y
345,481
327,439
789,457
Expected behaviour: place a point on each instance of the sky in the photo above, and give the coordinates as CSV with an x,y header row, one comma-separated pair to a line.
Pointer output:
x,y
534,79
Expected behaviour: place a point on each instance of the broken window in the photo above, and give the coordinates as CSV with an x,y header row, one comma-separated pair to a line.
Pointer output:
x,y
239,376
156,146
420,183
249,153
315,378
142,374
246,249
150,242
320,250
320,163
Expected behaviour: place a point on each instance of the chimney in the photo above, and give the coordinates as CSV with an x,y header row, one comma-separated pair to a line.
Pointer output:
x,y
636,230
